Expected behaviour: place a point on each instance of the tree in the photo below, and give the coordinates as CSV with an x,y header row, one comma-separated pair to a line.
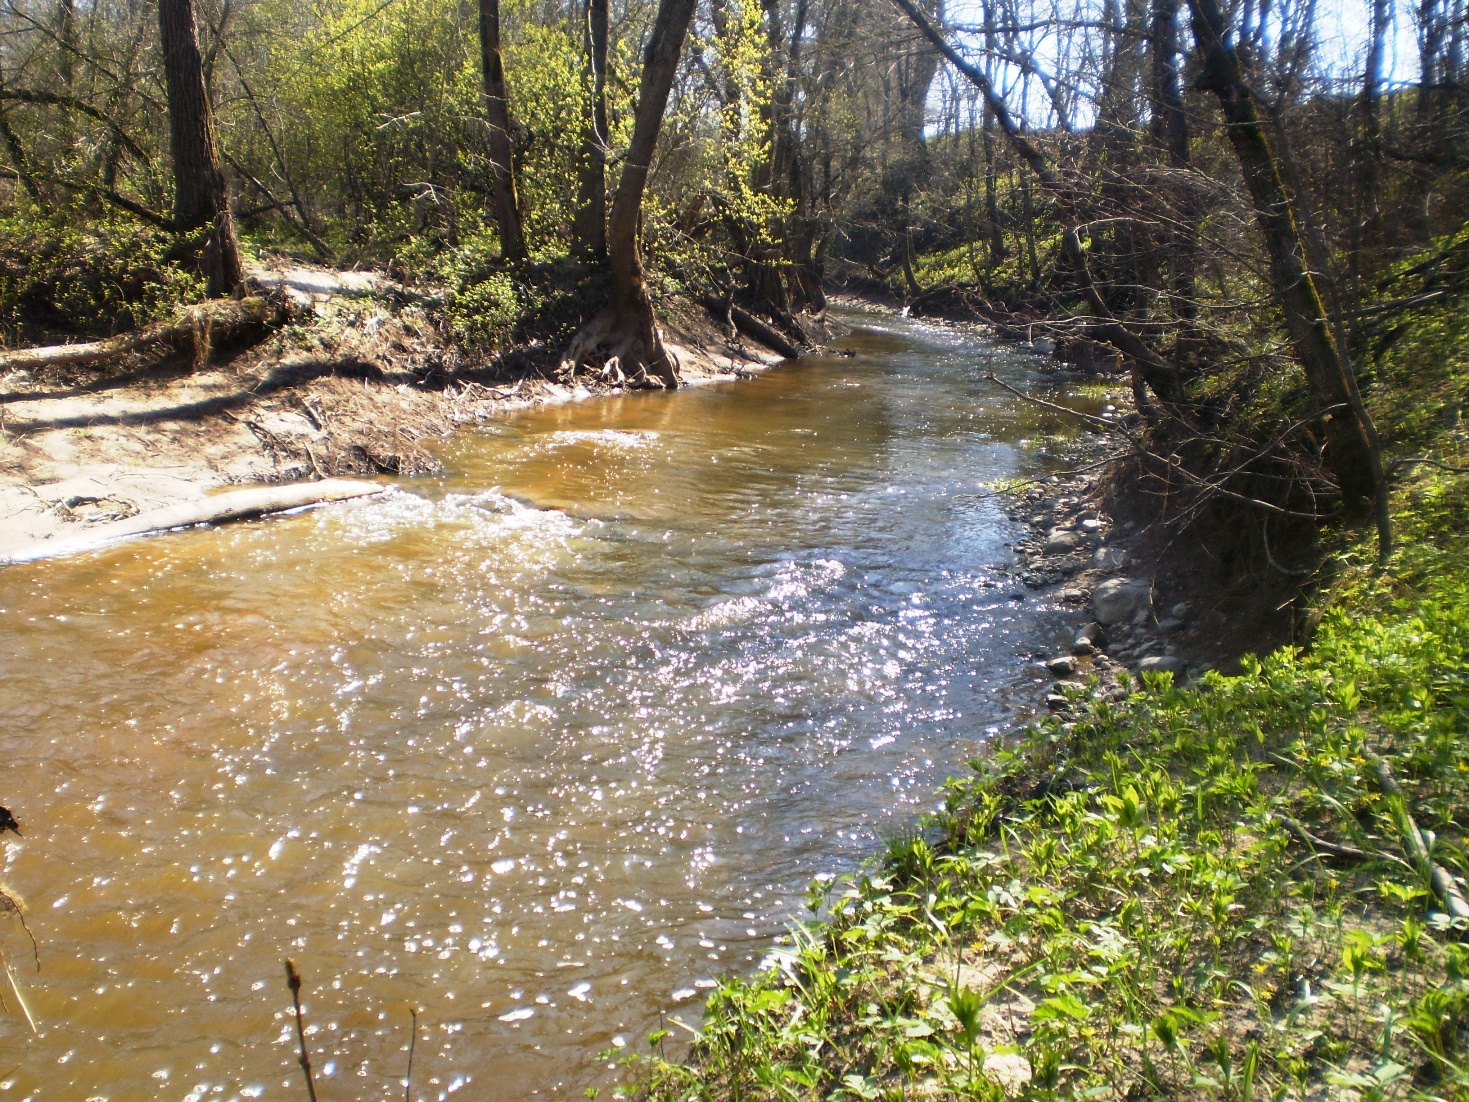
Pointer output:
x,y
625,336
1169,131
497,112
1353,449
589,230
201,206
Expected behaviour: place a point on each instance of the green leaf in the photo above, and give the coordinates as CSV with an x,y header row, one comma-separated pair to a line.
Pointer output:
x,y
1060,1008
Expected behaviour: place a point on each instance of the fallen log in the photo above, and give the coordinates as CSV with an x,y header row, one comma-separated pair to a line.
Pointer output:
x,y
234,505
752,327
192,332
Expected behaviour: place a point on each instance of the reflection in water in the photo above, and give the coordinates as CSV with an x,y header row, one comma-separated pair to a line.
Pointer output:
x,y
540,748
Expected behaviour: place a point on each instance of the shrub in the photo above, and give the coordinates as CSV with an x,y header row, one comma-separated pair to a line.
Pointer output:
x,y
100,280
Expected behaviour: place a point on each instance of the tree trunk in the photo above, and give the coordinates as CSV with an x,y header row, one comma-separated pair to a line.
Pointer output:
x,y
1352,446
625,336
994,236
785,177
917,69
1169,131
66,34
998,252
18,159
589,230
201,205
1368,148
497,114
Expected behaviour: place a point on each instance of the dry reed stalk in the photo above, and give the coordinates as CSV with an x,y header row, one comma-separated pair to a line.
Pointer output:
x,y
412,1044
293,981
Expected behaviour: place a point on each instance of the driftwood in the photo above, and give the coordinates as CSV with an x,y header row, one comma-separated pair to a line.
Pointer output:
x,y
191,332
1321,845
235,505
752,327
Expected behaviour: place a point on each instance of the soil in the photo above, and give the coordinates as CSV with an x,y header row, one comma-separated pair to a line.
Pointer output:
x,y
354,388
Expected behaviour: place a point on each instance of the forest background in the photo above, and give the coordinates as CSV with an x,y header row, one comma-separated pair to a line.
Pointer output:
x,y
1208,200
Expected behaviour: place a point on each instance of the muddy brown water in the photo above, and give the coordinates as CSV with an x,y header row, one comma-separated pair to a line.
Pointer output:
x,y
541,748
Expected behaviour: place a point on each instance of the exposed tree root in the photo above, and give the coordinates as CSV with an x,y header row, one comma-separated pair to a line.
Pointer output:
x,y
623,353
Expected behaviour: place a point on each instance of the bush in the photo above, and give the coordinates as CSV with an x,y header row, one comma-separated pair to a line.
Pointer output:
x,y
106,278
485,312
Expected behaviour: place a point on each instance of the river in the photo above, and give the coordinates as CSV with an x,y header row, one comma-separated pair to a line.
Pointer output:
x,y
539,748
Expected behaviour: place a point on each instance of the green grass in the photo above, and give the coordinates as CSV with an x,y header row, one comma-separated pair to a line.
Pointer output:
x,y
1121,904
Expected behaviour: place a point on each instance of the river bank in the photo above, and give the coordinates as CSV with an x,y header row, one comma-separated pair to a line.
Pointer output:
x,y
360,382
1170,885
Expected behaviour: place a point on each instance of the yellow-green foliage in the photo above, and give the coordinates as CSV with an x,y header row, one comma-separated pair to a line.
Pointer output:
x,y
371,98
727,150
98,277
741,53
485,312
963,264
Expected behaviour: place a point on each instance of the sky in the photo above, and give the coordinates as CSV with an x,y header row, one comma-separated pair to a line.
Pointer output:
x,y
1341,32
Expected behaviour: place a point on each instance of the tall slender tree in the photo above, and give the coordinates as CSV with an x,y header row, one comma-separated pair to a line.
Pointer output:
x,y
1367,143
201,206
1168,129
1353,449
589,228
625,336
497,114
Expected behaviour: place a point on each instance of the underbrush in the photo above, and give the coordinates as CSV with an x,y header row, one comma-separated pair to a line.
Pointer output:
x,y
491,303
85,276
1199,891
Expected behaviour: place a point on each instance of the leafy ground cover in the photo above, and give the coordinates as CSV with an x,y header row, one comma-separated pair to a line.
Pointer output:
x,y
1197,891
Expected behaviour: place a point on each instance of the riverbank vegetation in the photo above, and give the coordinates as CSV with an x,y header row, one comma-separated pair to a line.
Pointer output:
x,y
1243,888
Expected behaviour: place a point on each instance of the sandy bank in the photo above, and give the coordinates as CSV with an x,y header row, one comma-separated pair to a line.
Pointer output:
x,y
353,388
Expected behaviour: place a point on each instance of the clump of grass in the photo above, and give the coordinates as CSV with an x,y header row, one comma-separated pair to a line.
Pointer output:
x,y
1198,891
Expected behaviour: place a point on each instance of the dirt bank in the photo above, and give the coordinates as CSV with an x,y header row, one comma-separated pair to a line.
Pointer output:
x,y
353,387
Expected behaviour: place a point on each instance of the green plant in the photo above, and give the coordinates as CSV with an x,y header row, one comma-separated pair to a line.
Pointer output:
x,y
96,277
485,312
